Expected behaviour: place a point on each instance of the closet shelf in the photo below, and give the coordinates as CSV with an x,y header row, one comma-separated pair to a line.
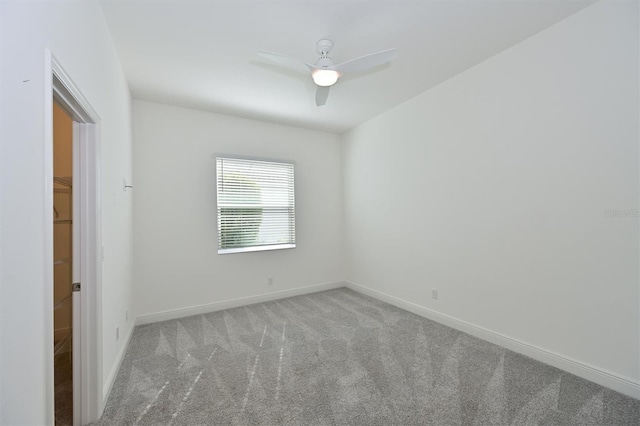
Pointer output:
x,y
63,303
66,181
58,347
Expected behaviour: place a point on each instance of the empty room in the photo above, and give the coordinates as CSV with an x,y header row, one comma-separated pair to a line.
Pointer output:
x,y
305,212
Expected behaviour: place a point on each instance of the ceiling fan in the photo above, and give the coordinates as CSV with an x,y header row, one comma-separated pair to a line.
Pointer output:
x,y
325,73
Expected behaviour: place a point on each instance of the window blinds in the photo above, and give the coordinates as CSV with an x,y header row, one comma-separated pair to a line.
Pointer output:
x,y
256,208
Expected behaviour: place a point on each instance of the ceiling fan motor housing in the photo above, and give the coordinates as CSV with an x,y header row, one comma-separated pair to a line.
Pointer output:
x,y
324,62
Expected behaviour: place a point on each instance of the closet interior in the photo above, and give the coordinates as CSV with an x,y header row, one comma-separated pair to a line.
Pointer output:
x,y
63,265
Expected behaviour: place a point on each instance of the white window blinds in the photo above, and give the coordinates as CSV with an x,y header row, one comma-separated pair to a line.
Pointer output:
x,y
256,206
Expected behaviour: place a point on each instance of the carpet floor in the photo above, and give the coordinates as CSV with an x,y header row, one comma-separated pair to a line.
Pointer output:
x,y
341,358
63,385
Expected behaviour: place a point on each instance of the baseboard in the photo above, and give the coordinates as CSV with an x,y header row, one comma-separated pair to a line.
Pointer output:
x,y
234,303
594,374
108,384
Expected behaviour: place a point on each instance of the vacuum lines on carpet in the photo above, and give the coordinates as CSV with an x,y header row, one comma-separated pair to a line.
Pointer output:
x,y
341,358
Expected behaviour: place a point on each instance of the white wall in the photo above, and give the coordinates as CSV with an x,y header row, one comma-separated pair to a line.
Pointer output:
x,y
176,260
77,35
492,188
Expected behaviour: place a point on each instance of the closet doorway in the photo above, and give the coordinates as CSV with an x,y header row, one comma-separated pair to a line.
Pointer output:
x,y
74,270
63,260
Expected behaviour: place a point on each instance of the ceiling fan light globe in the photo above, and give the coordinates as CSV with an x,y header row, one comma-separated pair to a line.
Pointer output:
x,y
325,77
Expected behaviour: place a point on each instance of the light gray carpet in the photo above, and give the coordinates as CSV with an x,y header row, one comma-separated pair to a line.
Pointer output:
x,y
338,358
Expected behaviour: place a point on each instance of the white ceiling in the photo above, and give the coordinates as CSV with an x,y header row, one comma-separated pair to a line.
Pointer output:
x,y
202,54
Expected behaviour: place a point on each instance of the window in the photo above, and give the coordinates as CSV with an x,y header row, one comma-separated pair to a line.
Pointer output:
x,y
256,209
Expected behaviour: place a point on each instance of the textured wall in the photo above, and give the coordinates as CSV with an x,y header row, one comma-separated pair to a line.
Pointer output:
x,y
497,188
77,35
176,261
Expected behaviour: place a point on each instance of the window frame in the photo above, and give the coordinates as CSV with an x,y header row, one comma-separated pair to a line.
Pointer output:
x,y
257,248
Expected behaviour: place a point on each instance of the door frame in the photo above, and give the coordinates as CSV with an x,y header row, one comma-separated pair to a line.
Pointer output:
x,y
87,343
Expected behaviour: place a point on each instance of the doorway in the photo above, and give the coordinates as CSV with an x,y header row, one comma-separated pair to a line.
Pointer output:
x,y
75,394
63,245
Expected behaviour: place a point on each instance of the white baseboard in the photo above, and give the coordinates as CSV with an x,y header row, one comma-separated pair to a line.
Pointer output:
x,y
108,384
234,303
624,385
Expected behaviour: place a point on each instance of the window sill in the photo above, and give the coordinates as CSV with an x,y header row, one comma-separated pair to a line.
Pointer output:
x,y
256,248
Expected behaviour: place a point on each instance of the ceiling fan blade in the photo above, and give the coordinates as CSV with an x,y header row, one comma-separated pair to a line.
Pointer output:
x,y
322,93
366,62
286,61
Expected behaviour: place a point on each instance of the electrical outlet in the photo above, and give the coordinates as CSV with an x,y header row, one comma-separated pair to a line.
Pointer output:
x,y
434,293
117,333
270,281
